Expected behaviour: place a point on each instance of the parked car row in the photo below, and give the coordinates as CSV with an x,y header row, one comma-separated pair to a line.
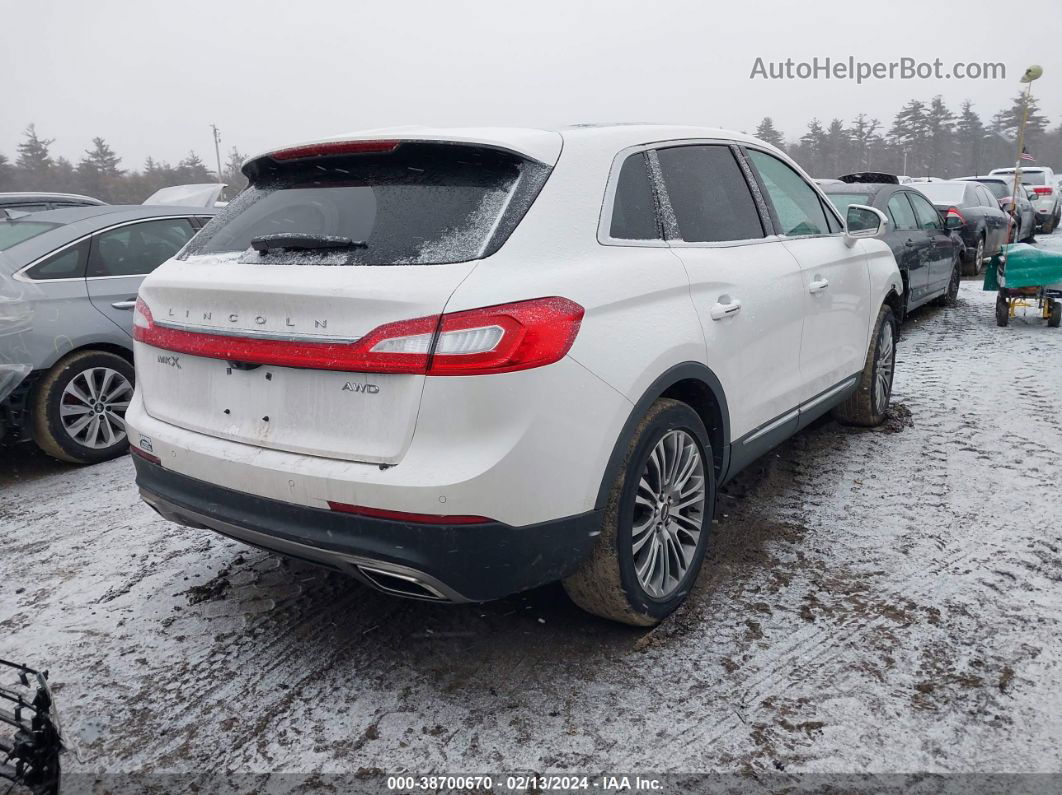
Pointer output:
x,y
926,250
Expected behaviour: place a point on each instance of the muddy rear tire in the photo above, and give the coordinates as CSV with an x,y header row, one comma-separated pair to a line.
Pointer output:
x,y
646,514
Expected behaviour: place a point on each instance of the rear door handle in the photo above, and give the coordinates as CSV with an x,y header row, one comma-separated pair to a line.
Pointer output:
x,y
909,243
124,304
722,311
818,285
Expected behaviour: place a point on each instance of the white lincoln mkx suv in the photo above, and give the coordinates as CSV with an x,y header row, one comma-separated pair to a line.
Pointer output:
x,y
462,363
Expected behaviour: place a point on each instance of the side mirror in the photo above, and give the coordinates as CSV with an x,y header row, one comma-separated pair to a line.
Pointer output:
x,y
862,222
952,222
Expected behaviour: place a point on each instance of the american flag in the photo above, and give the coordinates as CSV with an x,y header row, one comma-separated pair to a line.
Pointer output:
x,y
1026,156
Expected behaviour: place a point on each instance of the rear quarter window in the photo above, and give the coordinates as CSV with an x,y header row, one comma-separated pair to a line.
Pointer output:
x,y
634,208
69,263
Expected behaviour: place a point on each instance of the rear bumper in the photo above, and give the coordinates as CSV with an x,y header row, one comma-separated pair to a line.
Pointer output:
x,y
452,563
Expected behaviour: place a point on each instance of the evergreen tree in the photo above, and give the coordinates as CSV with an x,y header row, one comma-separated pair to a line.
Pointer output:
x,y
193,170
970,139
865,142
813,146
232,176
940,129
101,159
908,135
7,173
767,132
836,146
34,157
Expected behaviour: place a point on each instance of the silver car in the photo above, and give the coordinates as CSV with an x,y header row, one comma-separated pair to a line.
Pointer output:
x,y
70,279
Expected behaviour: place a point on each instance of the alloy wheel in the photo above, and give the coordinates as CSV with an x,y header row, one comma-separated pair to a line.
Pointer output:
x,y
93,406
668,513
883,367
979,257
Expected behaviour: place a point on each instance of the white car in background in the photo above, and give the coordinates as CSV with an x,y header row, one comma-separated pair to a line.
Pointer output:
x,y
1047,199
462,363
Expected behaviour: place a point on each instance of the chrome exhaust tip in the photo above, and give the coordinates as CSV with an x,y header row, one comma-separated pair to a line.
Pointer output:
x,y
406,585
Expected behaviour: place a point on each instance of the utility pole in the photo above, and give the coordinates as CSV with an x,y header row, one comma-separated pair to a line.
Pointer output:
x,y
217,147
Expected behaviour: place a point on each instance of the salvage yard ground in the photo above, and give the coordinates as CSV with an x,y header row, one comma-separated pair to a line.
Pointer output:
x,y
886,600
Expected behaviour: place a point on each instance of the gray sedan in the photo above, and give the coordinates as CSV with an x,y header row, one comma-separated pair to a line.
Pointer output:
x,y
66,371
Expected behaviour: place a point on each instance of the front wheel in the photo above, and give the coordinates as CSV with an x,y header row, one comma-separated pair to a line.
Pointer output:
x,y
1054,319
867,406
656,522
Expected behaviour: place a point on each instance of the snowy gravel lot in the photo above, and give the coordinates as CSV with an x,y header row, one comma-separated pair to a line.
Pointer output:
x,y
888,600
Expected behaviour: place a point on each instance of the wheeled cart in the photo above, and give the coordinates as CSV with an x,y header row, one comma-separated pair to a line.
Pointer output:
x,y
1026,277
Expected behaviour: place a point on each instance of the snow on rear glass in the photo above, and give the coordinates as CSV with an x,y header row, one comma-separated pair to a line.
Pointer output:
x,y
393,211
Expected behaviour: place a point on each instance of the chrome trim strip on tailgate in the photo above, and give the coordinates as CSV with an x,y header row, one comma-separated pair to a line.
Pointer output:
x,y
251,334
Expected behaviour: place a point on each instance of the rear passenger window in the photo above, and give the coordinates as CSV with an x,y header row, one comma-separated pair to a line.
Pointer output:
x,y
137,249
928,217
66,264
795,202
901,212
634,210
709,195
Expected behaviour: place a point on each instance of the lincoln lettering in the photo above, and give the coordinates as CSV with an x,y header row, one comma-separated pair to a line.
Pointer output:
x,y
234,317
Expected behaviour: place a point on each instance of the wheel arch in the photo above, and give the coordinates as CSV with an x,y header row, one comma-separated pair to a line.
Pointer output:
x,y
895,303
697,386
107,346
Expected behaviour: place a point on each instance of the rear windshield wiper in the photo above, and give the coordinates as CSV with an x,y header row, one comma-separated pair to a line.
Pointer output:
x,y
301,241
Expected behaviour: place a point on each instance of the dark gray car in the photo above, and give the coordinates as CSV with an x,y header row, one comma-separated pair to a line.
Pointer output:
x,y
925,245
76,273
984,226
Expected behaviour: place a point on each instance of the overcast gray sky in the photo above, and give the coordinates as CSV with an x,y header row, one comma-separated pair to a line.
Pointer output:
x,y
151,76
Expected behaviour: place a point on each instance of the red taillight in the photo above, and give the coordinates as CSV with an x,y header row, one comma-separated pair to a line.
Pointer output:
x,y
953,212
528,334
402,516
497,339
1042,190
334,148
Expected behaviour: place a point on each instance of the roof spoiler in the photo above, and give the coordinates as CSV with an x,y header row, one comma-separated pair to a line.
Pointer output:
x,y
870,177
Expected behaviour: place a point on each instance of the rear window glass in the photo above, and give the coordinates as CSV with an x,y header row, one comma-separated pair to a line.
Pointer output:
x,y
1028,177
422,204
14,232
842,201
944,192
997,189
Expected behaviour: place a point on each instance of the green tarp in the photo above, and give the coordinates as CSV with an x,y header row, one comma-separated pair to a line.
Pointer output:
x,y
1027,266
